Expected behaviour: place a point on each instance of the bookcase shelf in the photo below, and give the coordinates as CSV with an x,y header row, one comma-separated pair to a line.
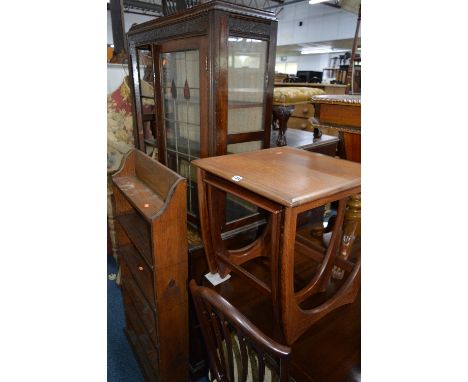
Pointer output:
x,y
151,227
138,233
140,196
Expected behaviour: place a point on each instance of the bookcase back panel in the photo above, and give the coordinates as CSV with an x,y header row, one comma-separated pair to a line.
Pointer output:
x,y
154,175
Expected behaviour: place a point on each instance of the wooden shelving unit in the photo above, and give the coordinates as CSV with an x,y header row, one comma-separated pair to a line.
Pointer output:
x,y
339,74
151,208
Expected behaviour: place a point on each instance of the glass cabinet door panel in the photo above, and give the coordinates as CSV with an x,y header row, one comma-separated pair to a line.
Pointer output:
x,y
182,135
181,103
246,84
192,68
235,148
241,120
147,102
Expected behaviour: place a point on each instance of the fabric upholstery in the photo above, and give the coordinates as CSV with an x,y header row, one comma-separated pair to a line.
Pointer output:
x,y
119,125
252,374
294,95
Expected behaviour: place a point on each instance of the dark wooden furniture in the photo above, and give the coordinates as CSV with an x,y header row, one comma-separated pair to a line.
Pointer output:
x,y
150,206
231,340
305,140
212,70
291,108
284,182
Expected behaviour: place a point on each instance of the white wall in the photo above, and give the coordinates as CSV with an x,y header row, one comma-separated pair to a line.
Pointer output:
x,y
115,75
314,62
129,20
319,23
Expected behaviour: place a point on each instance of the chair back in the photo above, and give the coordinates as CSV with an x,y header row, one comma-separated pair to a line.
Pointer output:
x,y
236,348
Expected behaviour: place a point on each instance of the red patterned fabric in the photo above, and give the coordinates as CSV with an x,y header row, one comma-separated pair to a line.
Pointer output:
x,y
119,125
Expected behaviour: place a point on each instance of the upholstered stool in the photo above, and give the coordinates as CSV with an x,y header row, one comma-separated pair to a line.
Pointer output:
x,y
284,102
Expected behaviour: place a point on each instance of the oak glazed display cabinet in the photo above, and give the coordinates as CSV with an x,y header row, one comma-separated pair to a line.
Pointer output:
x,y
210,73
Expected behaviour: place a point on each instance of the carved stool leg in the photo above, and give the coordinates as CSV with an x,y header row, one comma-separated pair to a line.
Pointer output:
x,y
282,114
274,123
351,229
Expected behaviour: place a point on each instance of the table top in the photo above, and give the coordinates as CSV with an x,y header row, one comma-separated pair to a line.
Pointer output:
x,y
303,139
286,175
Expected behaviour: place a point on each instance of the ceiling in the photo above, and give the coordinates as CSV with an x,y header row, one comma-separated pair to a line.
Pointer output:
x,y
351,6
295,49
154,7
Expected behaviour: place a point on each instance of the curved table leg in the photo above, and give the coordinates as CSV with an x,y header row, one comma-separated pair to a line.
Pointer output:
x,y
295,319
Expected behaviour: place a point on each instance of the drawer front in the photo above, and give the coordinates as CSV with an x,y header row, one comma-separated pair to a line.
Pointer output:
x,y
140,272
146,351
132,295
298,123
305,110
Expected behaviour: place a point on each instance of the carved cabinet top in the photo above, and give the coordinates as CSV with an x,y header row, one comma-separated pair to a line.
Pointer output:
x,y
200,11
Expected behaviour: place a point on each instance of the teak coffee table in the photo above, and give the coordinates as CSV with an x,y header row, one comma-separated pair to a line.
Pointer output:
x,y
284,182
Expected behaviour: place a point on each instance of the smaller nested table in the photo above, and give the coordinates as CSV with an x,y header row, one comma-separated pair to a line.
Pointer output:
x,y
284,182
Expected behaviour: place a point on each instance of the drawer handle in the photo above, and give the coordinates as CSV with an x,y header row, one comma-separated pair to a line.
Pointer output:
x,y
140,268
305,111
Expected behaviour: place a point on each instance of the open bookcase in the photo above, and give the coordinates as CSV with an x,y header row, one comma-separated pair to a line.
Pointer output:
x,y
151,212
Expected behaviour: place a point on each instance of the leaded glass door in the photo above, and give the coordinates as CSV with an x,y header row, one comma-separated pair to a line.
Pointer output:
x,y
183,102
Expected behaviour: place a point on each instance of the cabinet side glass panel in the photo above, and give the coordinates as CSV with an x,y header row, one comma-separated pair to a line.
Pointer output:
x,y
181,116
247,65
